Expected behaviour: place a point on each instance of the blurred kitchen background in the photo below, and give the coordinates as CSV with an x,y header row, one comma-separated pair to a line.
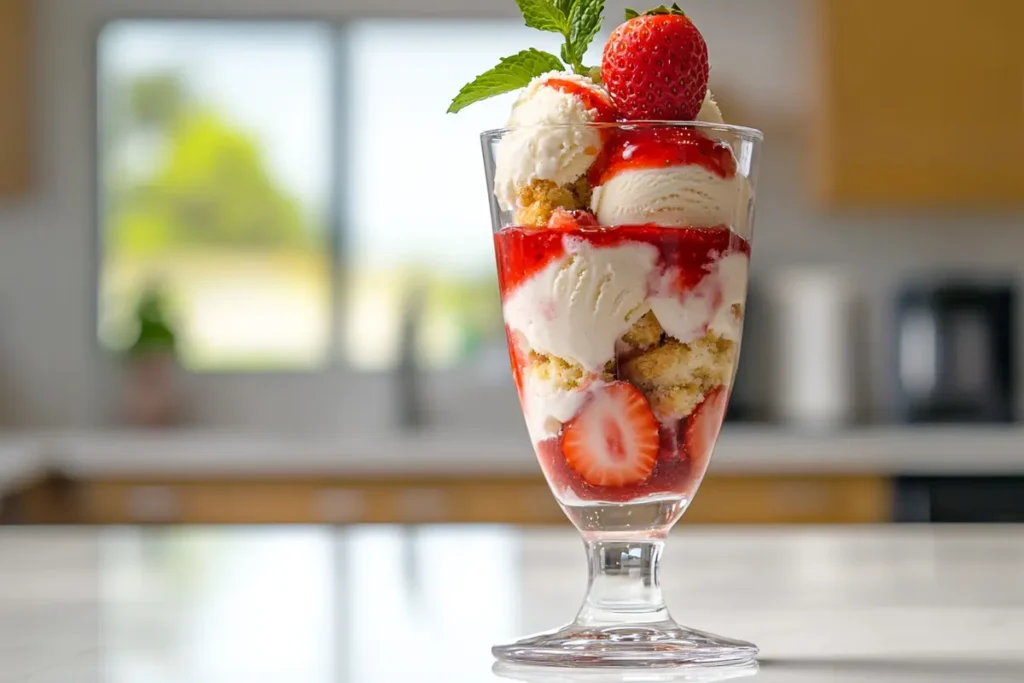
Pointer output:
x,y
246,271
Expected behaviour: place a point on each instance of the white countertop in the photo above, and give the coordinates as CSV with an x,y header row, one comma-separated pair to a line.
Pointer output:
x,y
742,449
385,603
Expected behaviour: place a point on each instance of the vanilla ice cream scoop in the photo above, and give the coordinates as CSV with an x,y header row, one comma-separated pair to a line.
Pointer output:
x,y
685,177
709,111
578,306
536,151
676,196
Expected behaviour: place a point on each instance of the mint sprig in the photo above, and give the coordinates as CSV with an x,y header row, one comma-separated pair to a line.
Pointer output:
x,y
578,21
544,15
584,22
510,74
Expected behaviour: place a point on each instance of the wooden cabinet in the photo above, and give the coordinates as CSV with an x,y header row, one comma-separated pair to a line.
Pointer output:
x,y
15,97
726,499
922,103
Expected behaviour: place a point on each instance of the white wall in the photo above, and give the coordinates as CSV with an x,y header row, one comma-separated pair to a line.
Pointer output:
x,y
52,373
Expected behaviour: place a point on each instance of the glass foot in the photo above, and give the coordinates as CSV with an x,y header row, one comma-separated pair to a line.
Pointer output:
x,y
660,644
530,673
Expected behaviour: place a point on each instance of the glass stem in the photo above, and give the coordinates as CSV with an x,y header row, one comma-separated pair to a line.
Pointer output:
x,y
624,584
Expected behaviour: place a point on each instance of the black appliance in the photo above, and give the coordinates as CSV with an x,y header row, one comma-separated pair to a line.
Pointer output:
x,y
955,351
959,499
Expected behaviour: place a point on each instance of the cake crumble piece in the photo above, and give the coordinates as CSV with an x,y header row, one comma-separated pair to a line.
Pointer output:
x,y
539,199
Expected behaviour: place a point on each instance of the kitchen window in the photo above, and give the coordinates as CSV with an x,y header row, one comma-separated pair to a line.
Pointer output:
x,y
215,181
296,193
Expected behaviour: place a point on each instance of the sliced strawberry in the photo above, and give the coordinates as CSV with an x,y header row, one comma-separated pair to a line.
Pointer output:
x,y
703,425
613,440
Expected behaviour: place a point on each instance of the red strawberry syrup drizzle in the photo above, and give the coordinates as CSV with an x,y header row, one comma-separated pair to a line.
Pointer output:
x,y
590,98
523,252
661,147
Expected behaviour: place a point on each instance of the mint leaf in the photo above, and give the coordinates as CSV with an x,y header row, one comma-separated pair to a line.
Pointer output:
x,y
564,6
510,74
544,15
584,23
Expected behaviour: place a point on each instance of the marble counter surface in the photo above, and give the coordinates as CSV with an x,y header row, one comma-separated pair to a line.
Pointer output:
x,y
387,603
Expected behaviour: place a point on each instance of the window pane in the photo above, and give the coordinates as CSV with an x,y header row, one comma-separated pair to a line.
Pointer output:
x,y
416,209
215,180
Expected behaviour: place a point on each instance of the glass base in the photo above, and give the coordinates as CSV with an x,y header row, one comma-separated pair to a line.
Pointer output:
x,y
531,673
659,644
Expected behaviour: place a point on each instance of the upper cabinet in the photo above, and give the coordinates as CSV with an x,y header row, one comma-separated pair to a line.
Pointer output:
x,y
922,103
15,97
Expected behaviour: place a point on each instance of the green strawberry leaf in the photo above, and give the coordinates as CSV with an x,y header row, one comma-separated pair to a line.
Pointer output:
x,y
631,13
511,73
675,10
544,15
584,22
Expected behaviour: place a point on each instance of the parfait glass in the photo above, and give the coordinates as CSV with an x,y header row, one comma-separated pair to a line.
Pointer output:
x,y
624,328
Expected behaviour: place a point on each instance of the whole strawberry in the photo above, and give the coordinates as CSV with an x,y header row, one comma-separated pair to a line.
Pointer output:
x,y
655,66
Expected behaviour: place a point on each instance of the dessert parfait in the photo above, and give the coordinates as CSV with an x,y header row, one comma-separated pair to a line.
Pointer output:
x,y
624,317
622,259
622,207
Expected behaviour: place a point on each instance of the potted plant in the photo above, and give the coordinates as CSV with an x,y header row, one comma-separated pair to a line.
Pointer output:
x,y
151,360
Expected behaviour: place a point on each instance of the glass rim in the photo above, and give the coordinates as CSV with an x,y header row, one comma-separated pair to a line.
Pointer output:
x,y
739,131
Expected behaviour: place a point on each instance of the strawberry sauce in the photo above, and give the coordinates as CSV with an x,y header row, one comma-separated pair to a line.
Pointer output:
x,y
590,98
522,252
674,474
656,147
